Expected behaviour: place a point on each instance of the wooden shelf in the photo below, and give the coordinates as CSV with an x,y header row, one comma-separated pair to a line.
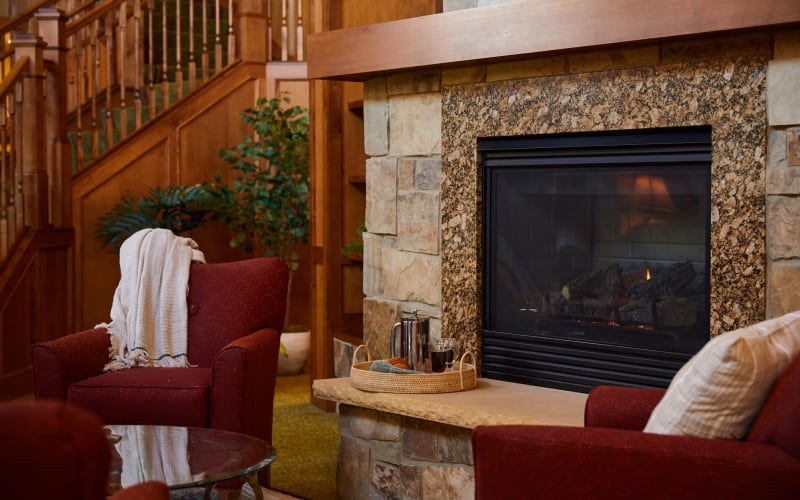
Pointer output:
x,y
357,179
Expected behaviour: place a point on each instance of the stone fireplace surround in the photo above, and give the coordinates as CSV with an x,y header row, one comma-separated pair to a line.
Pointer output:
x,y
423,206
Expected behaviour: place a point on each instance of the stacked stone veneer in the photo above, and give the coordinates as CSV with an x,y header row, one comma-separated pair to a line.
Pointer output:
x,y
383,455
422,245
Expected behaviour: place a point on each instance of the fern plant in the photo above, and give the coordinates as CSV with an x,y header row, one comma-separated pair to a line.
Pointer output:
x,y
178,208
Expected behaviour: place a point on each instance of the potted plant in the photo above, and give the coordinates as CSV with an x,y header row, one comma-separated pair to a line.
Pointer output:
x,y
267,205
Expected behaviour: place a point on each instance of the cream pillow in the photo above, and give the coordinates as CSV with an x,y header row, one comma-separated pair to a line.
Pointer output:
x,y
718,392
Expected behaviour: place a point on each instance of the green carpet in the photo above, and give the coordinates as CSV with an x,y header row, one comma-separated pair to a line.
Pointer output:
x,y
307,442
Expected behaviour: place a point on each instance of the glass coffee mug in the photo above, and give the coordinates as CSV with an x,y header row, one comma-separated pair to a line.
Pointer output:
x,y
442,354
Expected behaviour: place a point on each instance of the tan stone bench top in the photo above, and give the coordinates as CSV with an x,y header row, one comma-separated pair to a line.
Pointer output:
x,y
491,402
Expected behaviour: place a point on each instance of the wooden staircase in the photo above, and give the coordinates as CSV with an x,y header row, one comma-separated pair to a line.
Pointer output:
x,y
62,172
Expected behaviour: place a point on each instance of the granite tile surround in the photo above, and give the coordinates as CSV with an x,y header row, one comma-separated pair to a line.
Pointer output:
x,y
727,94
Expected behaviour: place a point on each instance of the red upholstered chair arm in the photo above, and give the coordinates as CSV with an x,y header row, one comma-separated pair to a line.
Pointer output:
x,y
573,462
150,490
59,362
620,407
243,384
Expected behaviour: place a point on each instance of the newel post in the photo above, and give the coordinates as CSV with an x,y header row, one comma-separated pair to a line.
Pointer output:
x,y
32,131
51,30
251,36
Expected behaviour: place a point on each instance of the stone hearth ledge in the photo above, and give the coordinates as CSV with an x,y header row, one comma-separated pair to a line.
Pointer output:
x,y
492,402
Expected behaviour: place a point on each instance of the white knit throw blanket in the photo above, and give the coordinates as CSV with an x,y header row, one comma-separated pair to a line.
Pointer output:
x,y
154,453
149,316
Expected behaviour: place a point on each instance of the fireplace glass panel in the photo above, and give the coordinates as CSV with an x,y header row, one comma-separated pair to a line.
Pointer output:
x,y
597,240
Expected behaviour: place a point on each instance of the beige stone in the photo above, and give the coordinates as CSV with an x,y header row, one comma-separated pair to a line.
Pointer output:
x,y
428,173
379,316
776,147
415,125
372,283
405,173
418,221
454,445
463,76
454,482
419,439
409,276
529,68
381,203
783,238
793,146
783,180
782,288
353,464
369,424
604,60
783,99
385,480
376,118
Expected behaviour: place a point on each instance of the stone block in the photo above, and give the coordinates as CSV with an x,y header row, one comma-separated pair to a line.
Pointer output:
x,y
381,202
353,475
464,76
783,99
603,60
387,451
372,283
418,221
428,173
376,118
783,239
415,125
528,68
783,180
782,283
454,445
385,480
379,316
776,147
342,358
410,276
450,482
411,476
793,146
419,439
405,173
369,424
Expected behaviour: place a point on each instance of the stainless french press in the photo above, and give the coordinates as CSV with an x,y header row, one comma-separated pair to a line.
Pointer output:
x,y
409,339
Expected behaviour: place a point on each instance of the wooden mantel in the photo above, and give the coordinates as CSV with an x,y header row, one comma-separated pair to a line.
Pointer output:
x,y
519,30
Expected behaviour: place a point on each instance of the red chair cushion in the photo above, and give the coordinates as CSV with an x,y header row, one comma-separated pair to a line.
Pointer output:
x,y
154,396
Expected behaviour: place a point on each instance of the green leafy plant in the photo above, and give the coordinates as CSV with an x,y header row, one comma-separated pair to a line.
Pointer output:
x,y
356,246
178,208
267,204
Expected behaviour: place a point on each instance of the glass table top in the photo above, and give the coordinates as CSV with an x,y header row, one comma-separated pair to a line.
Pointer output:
x,y
184,457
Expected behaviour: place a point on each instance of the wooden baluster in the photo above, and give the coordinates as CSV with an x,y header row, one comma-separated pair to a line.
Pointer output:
x,y
231,36
192,61
152,95
217,38
77,44
284,33
269,30
204,57
299,39
95,87
138,70
178,69
108,81
291,38
164,62
17,163
123,44
6,185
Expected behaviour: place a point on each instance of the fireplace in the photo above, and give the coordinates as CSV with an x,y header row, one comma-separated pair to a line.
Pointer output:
x,y
596,256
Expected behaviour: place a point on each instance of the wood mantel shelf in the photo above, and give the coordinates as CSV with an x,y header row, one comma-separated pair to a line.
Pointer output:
x,y
519,30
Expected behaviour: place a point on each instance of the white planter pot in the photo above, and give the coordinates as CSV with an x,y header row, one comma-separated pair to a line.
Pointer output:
x,y
297,346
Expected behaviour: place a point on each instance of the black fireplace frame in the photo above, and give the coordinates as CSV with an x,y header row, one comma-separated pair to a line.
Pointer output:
x,y
575,364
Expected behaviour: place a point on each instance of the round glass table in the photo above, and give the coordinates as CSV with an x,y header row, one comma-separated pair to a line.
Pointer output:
x,y
186,457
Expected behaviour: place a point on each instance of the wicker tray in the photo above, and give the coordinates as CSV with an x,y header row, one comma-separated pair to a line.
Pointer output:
x,y
462,379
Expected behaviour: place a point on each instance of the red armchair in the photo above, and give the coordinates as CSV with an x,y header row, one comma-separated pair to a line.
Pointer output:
x,y
236,311
49,449
612,458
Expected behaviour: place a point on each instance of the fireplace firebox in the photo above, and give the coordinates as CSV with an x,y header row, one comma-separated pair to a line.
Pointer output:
x,y
596,256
